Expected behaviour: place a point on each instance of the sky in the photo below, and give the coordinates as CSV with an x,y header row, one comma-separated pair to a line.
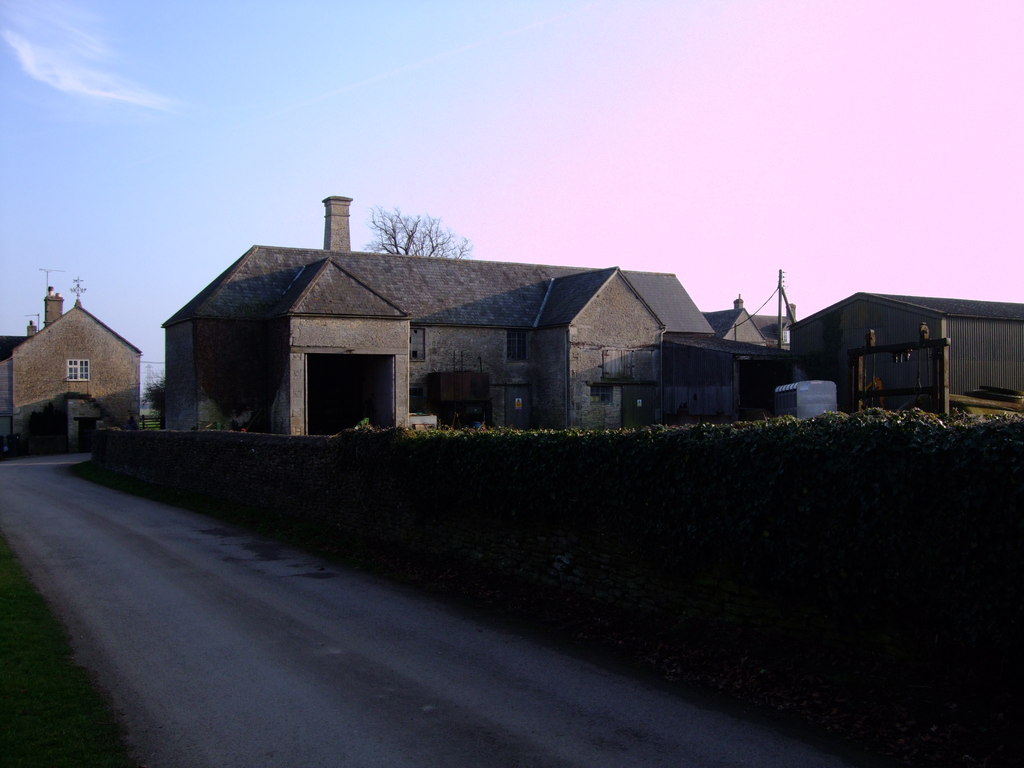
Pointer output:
x,y
857,145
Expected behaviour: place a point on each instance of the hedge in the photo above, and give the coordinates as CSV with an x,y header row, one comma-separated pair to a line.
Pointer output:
x,y
904,522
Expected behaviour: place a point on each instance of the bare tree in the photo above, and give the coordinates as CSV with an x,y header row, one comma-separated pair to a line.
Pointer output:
x,y
394,232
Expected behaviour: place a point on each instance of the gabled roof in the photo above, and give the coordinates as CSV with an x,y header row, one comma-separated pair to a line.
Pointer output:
x,y
1001,310
671,303
325,288
722,321
737,324
267,281
79,308
768,325
567,296
8,343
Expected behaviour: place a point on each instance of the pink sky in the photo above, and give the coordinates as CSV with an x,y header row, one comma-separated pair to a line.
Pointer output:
x,y
858,145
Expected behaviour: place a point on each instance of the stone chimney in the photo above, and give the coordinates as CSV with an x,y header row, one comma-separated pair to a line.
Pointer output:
x,y
31,330
336,231
738,302
53,305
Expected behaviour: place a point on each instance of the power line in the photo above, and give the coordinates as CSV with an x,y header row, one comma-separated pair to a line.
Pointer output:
x,y
750,317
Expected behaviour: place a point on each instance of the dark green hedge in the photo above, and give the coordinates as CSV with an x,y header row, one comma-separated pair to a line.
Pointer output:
x,y
906,521
901,524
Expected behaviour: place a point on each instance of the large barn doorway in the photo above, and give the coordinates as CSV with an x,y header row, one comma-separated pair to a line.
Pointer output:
x,y
757,382
342,390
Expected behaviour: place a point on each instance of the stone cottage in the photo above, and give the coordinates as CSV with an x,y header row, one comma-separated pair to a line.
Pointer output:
x,y
300,341
86,373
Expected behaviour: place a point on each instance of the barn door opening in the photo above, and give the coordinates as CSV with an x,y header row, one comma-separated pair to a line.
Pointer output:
x,y
342,390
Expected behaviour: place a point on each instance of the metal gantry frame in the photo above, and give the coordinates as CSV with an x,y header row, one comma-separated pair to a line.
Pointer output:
x,y
862,392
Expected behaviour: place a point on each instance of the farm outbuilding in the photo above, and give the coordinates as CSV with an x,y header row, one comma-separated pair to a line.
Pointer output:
x,y
301,341
985,343
709,379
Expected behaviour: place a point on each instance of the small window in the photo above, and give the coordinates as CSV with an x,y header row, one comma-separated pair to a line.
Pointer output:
x,y
515,345
600,393
78,370
417,344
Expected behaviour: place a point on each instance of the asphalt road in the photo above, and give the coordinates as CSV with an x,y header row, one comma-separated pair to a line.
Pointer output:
x,y
218,648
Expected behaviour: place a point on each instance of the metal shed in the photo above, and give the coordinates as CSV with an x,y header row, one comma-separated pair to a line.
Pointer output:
x,y
708,379
986,341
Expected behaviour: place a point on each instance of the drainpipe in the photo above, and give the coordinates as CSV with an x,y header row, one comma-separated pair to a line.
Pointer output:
x,y
661,372
568,370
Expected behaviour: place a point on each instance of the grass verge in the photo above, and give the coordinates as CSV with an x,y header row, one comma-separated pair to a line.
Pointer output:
x,y
50,713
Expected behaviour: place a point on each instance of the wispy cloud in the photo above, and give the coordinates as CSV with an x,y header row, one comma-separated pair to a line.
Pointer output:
x,y
373,80
55,45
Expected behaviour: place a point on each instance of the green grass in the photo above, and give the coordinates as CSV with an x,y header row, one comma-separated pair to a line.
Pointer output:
x,y
51,716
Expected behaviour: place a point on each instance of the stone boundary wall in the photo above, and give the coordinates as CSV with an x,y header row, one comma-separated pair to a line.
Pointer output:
x,y
315,478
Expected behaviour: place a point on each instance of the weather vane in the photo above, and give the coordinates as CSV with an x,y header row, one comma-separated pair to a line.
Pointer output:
x,y
78,290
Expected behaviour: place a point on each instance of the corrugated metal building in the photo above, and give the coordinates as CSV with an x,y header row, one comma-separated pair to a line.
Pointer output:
x,y
986,341
708,379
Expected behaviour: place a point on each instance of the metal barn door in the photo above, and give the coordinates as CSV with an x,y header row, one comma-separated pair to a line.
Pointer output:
x,y
638,404
517,407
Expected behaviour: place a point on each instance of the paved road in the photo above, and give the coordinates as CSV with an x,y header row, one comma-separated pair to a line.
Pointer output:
x,y
222,649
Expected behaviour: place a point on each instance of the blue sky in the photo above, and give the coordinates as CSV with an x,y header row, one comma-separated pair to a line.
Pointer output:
x,y
857,145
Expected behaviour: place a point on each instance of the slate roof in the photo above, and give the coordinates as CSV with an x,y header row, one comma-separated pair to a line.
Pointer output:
x,y
768,325
668,298
568,295
722,321
325,288
268,282
1001,310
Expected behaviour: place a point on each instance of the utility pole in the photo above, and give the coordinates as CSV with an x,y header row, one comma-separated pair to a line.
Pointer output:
x,y
783,302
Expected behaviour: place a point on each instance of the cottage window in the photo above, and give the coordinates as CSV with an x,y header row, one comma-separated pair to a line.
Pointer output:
x,y
418,344
515,345
78,370
600,393
617,363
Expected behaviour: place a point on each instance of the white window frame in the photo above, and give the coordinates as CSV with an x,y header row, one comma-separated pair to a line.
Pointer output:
x,y
78,370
